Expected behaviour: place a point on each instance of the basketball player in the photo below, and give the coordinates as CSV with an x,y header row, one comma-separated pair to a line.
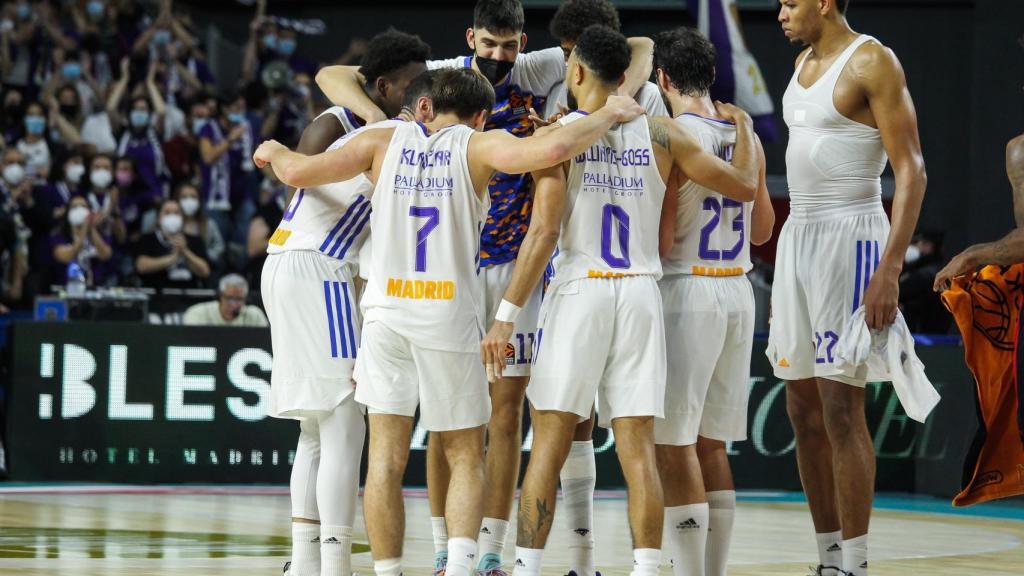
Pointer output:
x,y
709,318
578,477
312,259
423,297
604,287
1010,248
847,108
522,81
392,60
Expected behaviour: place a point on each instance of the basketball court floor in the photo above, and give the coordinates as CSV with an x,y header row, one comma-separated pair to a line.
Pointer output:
x,y
154,530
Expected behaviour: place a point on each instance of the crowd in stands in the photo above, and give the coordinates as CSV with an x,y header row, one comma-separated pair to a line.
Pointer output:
x,y
122,154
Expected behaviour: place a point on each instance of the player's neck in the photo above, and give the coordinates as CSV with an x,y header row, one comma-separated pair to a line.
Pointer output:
x,y
443,121
593,100
835,36
684,104
375,98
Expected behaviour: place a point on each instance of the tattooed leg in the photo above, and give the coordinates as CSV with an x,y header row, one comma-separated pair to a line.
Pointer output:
x,y
552,438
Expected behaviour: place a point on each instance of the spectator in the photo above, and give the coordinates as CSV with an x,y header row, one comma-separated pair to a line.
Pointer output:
x,y
169,258
12,263
243,171
140,131
268,216
137,201
922,308
67,184
105,198
216,137
80,240
33,145
15,190
71,68
197,224
92,132
229,309
30,207
11,124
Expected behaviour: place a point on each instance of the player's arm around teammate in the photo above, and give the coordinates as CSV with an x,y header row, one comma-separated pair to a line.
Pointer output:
x,y
884,87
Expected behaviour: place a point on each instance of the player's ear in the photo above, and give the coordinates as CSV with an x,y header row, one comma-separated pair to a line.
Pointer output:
x,y
662,79
382,86
424,109
522,42
471,39
479,120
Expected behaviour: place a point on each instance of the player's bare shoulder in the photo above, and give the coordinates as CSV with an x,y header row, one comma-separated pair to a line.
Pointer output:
x,y
873,63
800,57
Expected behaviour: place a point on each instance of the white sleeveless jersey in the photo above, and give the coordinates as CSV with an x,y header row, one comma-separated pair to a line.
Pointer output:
x,y
830,158
427,219
614,195
345,116
332,219
712,231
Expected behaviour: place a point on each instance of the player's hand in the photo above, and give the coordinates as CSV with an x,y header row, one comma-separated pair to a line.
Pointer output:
x,y
265,152
623,108
881,300
539,122
492,349
731,113
961,264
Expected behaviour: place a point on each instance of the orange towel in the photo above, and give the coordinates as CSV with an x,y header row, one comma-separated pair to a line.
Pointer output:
x,y
987,309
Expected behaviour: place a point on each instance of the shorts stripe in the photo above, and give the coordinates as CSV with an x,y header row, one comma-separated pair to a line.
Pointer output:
x,y
330,318
867,266
340,319
856,286
348,318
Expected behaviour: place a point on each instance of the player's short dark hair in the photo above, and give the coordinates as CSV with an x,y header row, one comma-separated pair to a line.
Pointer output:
x,y
419,86
499,16
688,58
605,51
390,51
842,5
574,16
462,91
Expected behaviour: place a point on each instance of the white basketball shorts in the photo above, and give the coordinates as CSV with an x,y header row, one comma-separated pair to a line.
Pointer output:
x,y
519,350
604,337
709,334
826,257
394,376
314,331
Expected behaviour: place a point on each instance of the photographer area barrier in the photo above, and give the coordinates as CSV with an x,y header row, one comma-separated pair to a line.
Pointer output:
x,y
116,402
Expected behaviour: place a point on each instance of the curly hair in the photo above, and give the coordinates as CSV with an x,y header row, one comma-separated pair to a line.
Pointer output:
x,y
390,51
574,16
499,16
688,58
605,51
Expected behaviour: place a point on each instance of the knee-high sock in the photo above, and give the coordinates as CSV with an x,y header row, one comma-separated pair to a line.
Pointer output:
x,y
341,440
303,485
721,514
578,478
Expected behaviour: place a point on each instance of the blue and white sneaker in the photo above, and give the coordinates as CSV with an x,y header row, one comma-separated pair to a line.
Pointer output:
x,y
440,563
490,565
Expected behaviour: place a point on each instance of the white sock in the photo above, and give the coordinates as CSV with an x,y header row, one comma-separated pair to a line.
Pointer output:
x,y
830,551
685,536
491,540
305,549
721,514
855,556
528,561
336,549
388,567
646,561
440,532
578,477
461,556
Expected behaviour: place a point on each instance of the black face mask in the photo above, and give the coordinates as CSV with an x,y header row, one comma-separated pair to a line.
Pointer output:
x,y
493,70
69,111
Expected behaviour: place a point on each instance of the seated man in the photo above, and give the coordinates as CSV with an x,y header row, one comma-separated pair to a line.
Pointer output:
x,y
229,309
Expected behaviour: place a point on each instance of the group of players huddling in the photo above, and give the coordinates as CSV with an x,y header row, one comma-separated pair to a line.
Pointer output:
x,y
587,232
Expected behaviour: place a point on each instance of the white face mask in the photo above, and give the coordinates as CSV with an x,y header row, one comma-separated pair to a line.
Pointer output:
x,y
14,174
78,215
171,224
74,173
101,178
189,205
913,254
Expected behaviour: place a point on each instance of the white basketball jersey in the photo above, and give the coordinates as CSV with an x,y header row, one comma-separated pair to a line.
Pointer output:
x,y
830,159
427,220
331,219
614,195
712,231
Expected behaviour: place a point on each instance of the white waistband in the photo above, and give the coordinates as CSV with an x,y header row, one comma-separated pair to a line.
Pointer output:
x,y
806,214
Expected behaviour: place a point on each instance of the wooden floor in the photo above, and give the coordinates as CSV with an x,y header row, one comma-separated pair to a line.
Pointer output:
x,y
244,531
